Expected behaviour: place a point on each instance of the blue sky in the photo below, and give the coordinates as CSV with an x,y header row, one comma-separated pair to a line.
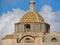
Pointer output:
x,y
8,5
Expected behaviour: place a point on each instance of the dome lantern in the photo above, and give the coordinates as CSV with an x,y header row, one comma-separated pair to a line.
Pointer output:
x,y
32,3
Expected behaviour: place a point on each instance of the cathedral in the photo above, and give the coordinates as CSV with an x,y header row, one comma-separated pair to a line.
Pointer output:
x,y
32,30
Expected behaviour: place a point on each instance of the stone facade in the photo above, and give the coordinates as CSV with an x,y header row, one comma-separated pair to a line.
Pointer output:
x,y
32,30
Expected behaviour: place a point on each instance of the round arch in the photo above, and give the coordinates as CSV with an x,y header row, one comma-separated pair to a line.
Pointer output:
x,y
27,37
54,39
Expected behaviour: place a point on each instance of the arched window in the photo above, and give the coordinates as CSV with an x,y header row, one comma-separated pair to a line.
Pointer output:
x,y
27,27
54,40
27,40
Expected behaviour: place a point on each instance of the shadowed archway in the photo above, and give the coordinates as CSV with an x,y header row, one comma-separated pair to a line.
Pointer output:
x,y
27,37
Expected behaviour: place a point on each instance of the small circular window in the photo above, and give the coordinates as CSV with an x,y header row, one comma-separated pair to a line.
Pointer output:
x,y
54,40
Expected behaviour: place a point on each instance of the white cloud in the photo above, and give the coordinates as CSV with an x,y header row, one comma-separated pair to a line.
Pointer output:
x,y
51,17
8,20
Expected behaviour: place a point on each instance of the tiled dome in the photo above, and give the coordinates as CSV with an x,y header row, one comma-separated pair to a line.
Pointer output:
x,y
32,17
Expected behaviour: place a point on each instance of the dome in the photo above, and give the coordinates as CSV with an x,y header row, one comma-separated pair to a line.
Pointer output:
x,y
32,17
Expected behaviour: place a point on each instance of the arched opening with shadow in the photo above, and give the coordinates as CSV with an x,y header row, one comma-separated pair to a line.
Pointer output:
x,y
27,39
27,28
54,40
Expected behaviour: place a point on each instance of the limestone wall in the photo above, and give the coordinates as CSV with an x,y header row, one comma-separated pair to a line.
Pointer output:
x,y
8,41
44,43
51,43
